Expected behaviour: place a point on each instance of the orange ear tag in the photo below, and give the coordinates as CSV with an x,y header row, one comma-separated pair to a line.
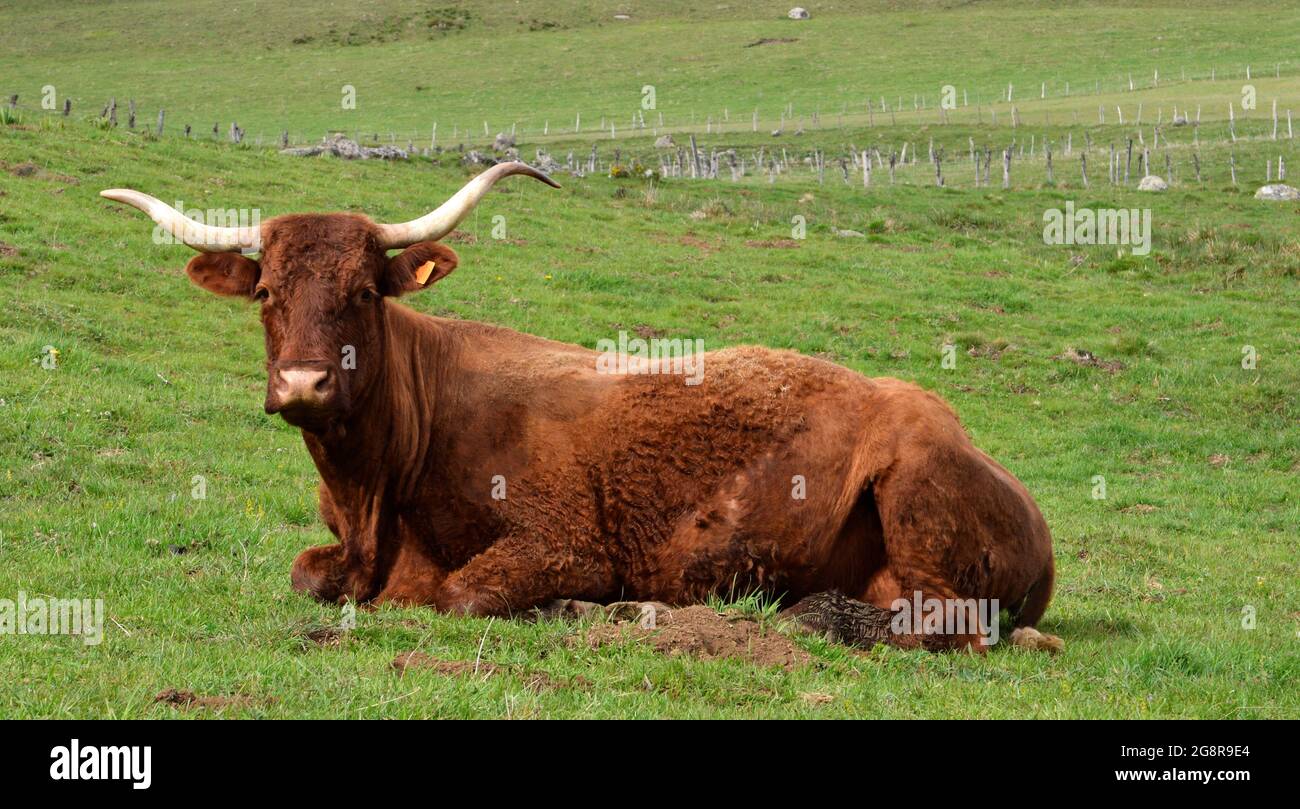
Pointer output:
x,y
422,274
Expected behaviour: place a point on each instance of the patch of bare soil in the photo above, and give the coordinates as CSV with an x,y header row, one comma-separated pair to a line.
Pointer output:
x,y
701,633
703,245
30,169
772,41
8,249
1139,508
450,668
773,244
325,636
992,351
1091,360
188,699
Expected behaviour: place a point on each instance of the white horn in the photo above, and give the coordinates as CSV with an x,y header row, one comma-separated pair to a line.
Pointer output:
x,y
207,238
438,223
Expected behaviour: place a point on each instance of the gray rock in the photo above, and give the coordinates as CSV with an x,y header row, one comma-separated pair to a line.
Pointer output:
x,y
848,234
546,163
665,142
476,158
502,142
798,13
1153,183
1278,192
342,146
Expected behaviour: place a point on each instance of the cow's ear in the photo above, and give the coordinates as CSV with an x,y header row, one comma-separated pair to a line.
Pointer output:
x,y
224,273
417,267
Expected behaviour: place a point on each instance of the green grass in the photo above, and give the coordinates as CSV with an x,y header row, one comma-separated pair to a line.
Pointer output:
x,y
274,66
157,382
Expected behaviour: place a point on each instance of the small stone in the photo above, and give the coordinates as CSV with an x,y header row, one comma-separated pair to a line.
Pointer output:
x,y
1278,192
1153,183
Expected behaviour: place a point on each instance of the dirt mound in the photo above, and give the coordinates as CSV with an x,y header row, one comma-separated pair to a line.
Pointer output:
x,y
1090,360
451,668
702,633
188,699
325,636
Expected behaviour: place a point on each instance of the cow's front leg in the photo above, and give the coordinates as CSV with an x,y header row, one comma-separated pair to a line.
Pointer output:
x,y
319,572
414,578
335,574
518,573
356,568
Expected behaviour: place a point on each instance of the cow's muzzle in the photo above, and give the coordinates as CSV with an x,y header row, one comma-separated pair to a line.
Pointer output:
x,y
304,392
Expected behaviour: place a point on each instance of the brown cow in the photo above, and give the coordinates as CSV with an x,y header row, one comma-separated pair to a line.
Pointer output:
x,y
484,471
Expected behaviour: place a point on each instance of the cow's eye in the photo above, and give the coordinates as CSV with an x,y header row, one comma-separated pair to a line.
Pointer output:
x,y
368,296
261,294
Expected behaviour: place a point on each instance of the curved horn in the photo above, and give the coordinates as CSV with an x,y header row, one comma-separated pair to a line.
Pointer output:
x,y
206,238
443,220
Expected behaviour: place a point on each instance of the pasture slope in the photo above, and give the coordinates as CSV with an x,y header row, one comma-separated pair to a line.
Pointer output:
x,y
156,383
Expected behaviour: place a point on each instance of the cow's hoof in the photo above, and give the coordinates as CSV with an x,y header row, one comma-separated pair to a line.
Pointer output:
x,y
319,573
1026,637
457,599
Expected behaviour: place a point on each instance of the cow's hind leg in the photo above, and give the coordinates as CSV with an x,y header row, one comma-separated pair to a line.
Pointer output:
x,y
962,539
518,573
319,571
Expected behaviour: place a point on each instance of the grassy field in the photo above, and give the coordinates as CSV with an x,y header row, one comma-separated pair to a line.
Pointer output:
x,y
157,382
274,66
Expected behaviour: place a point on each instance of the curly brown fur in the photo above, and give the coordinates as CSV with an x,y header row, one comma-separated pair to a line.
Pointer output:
x,y
485,471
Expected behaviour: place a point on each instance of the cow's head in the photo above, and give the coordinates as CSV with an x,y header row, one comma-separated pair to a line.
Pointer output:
x,y
322,280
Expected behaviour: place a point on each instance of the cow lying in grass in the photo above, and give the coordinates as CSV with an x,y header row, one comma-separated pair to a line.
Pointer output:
x,y
484,471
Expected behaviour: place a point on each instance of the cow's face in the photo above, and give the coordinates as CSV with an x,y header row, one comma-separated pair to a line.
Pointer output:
x,y
322,281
